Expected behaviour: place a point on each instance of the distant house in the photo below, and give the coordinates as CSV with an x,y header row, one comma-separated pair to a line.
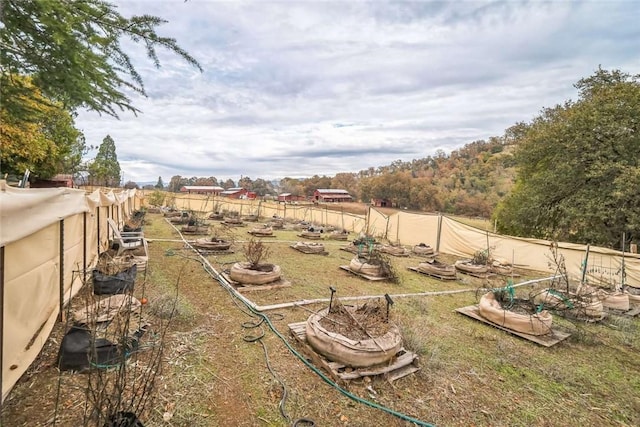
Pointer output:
x,y
202,189
59,180
382,203
239,193
288,198
331,195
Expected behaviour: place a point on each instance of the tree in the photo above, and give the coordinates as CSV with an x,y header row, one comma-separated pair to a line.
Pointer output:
x,y
345,181
159,184
105,169
72,50
42,138
579,166
312,184
229,184
245,182
262,187
131,185
291,185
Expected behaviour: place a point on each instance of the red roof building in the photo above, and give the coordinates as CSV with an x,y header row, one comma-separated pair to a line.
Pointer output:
x,y
202,189
236,193
59,180
331,195
288,197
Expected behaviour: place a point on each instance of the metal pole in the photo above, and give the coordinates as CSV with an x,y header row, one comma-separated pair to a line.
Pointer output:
x,y
622,267
84,246
584,267
98,217
61,271
439,231
1,323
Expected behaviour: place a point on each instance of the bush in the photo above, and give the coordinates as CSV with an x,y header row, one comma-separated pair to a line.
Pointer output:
x,y
156,198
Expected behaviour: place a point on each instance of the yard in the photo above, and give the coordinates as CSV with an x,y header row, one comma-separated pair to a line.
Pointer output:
x,y
470,373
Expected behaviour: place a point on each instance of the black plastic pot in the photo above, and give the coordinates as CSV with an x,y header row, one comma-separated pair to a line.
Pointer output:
x,y
121,282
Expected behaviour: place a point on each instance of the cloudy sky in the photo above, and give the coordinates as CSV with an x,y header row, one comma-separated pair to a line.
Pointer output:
x,y
297,88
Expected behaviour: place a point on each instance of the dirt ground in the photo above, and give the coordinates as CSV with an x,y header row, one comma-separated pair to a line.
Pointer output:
x,y
225,365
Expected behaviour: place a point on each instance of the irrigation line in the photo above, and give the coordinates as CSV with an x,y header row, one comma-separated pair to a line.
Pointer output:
x,y
258,310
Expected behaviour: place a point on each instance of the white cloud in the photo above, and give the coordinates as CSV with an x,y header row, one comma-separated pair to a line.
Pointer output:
x,y
303,88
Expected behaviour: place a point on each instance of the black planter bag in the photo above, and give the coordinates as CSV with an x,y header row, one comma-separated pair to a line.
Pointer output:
x,y
76,351
124,419
104,284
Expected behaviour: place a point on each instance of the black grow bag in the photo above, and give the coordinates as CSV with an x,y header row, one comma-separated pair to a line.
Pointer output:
x,y
76,350
79,349
121,282
124,419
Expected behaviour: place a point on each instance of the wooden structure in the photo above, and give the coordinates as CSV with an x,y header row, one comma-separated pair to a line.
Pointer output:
x,y
437,276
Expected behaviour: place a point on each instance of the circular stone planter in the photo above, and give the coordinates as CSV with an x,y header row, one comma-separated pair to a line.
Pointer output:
x,y
194,229
614,300
261,231
211,244
338,235
309,247
466,266
266,273
393,250
423,250
361,353
534,324
310,235
361,266
437,268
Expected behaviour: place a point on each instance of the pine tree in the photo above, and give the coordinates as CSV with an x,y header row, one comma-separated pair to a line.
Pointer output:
x,y
105,169
159,185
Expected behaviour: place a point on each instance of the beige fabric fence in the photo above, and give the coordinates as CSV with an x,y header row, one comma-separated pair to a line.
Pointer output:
x,y
48,239
603,266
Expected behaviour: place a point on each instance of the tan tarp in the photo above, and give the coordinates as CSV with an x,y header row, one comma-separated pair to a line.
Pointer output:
x,y
31,221
25,211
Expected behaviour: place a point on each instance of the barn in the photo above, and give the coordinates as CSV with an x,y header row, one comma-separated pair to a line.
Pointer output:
x,y
382,203
202,189
331,195
288,198
238,193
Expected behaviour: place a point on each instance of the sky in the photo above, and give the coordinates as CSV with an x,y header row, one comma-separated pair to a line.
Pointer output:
x,y
303,88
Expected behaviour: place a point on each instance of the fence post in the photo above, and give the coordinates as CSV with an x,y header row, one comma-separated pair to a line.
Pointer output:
x,y
98,222
61,271
1,322
439,232
84,247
